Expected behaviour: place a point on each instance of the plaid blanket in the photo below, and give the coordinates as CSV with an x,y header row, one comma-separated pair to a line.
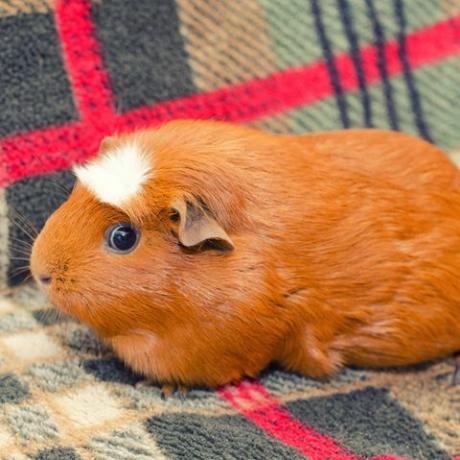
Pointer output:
x,y
63,396
73,71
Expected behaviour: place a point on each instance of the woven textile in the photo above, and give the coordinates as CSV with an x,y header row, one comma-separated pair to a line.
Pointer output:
x,y
74,71
64,396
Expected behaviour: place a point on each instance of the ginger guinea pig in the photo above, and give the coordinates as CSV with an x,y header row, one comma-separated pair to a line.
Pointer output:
x,y
203,251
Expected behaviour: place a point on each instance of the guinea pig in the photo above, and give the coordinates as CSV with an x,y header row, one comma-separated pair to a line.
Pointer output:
x,y
203,251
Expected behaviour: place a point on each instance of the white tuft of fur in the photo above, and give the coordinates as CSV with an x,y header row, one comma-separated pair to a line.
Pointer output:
x,y
118,175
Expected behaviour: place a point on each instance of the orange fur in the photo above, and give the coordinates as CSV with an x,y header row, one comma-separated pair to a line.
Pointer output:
x,y
346,251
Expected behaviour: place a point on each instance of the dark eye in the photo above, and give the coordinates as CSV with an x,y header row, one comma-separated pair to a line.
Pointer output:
x,y
174,216
122,238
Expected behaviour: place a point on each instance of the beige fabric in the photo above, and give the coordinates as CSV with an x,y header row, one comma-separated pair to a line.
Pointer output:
x,y
227,41
13,7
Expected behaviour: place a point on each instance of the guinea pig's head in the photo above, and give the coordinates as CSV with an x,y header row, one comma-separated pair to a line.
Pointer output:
x,y
146,229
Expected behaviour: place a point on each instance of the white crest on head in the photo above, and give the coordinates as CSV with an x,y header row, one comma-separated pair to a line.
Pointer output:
x,y
118,175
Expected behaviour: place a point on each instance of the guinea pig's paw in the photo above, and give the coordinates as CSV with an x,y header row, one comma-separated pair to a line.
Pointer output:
x,y
183,392
169,389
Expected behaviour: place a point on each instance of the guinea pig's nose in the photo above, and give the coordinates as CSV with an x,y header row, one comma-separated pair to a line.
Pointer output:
x,y
45,279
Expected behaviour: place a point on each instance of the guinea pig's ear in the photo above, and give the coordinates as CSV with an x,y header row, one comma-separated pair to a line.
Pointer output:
x,y
197,227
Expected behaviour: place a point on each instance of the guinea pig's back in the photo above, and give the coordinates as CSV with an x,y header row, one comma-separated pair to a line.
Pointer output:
x,y
405,160
380,243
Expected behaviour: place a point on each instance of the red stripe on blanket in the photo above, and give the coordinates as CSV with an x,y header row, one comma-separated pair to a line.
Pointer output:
x,y
424,47
388,457
254,402
83,60
50,149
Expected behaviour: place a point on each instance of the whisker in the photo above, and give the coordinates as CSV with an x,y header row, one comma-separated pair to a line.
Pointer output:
x,y
19,256
27,278
25,221
50,314
19,243
22,228
20,251
23,266
62,188
24,242
19,271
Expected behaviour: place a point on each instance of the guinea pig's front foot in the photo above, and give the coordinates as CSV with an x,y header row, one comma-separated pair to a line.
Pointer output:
x,y
168,389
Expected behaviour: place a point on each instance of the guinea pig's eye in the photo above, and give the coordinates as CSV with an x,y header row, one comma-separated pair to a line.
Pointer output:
x,y
122,238
174,216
